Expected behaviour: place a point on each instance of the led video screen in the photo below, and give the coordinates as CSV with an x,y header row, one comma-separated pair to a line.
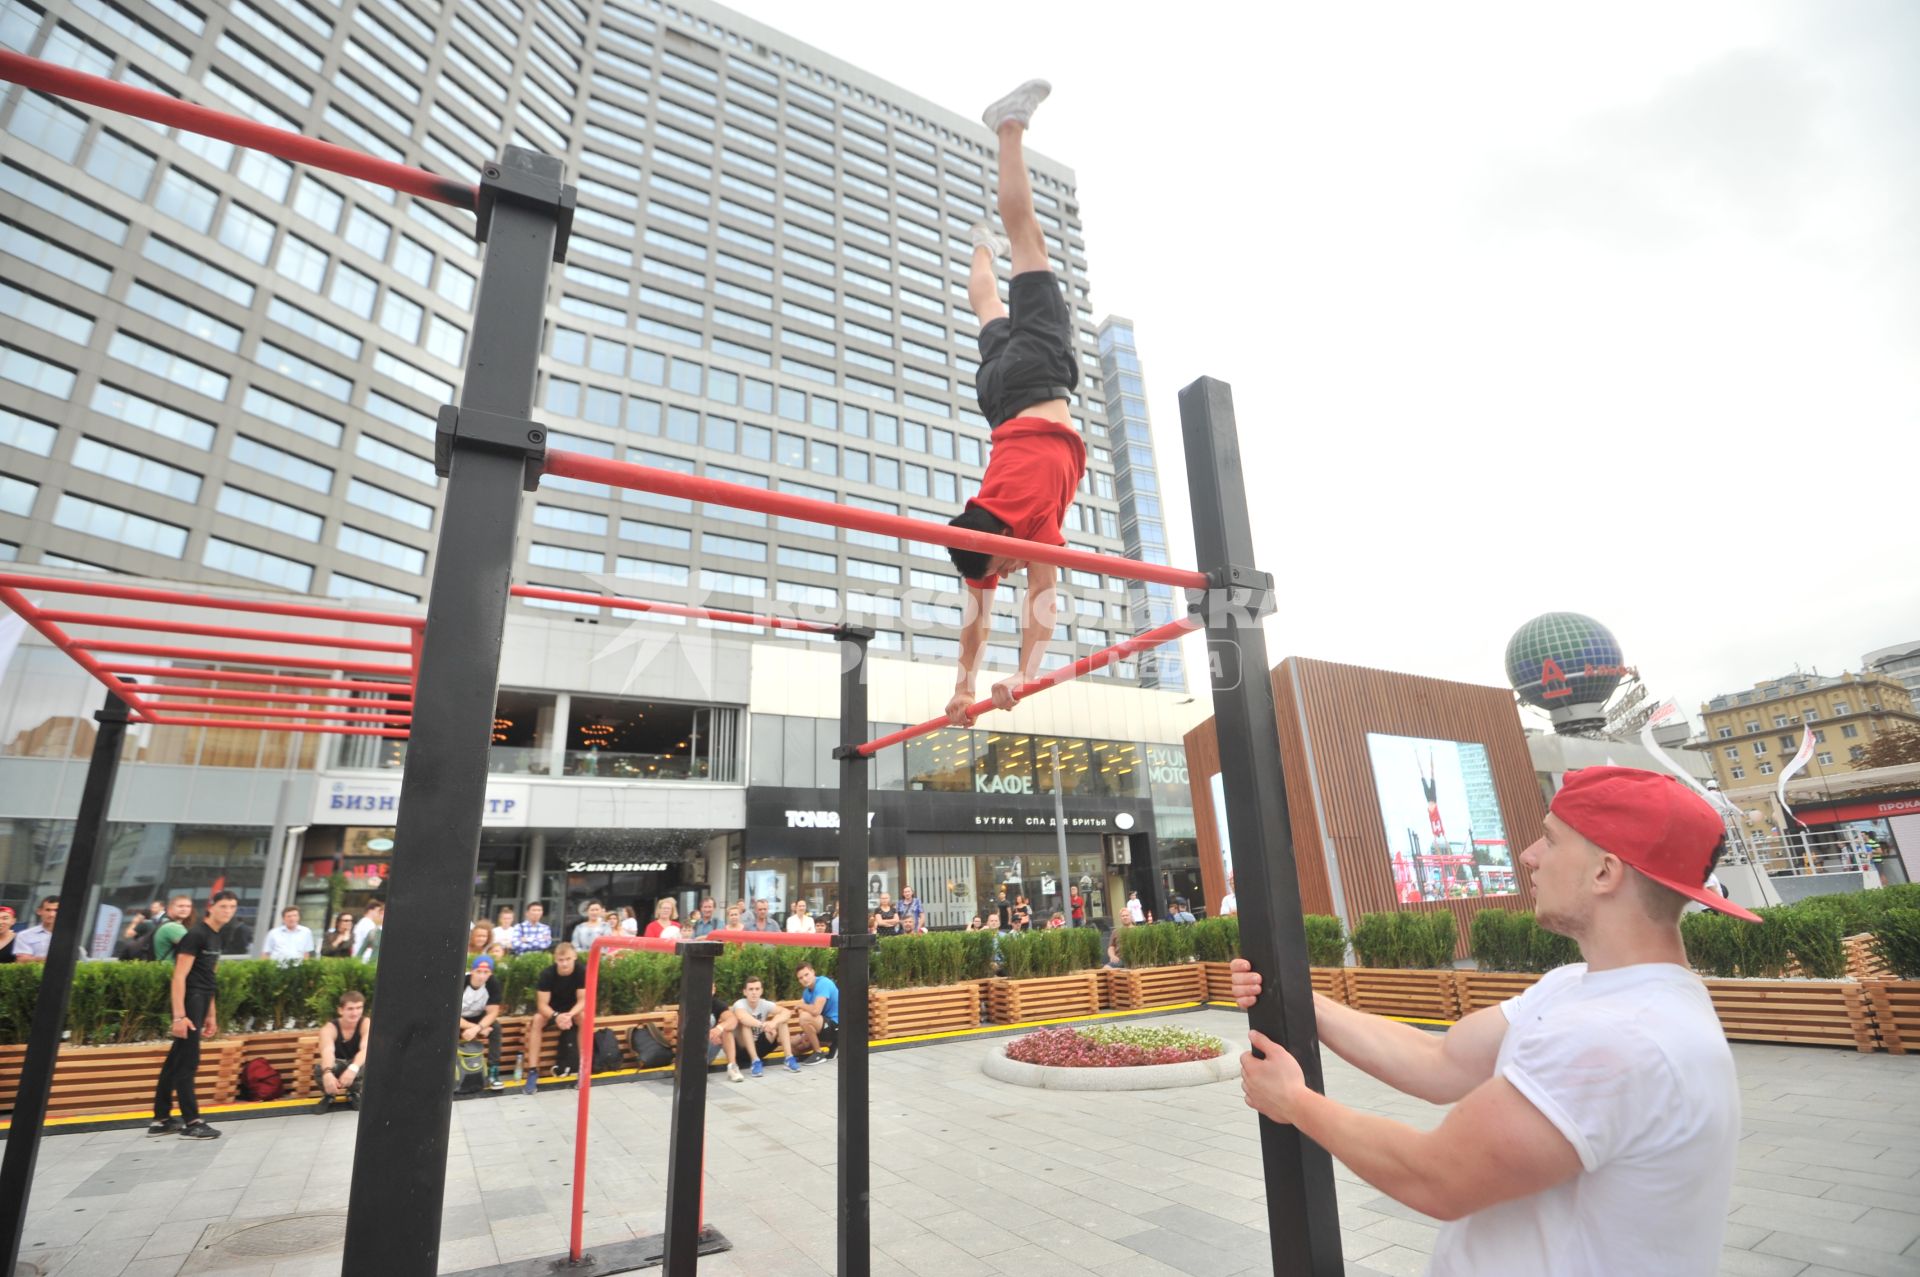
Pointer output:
x,y
1445,835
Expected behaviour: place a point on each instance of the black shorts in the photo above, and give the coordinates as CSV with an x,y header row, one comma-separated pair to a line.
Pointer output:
x,y
1027,358
765,1044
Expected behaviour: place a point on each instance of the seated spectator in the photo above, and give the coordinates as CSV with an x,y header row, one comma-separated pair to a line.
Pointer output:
x,y
343,1052
818,1022
760,1025
560,996
480,1013
977,923
665,924
762,919
1114,959
721,1033
479,940
596,925
1181,913
1058,920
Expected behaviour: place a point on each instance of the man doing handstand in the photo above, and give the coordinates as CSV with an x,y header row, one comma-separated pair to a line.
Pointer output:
x,y
1026,377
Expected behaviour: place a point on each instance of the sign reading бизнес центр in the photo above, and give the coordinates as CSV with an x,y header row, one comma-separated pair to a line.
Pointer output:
x,y
376,801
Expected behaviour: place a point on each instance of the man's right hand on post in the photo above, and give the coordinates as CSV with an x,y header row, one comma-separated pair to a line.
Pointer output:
x,y
957,709
1245,981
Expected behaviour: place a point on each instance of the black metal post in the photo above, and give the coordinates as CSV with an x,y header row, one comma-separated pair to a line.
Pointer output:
x,y
854,1250
1302,1216
489,449
56,979
687,1147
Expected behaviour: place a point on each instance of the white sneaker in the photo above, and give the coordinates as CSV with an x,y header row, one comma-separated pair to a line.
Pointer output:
x,y
733,1073
984,236
1017,105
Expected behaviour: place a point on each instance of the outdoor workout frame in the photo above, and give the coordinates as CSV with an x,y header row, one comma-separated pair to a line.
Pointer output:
x,y
490,450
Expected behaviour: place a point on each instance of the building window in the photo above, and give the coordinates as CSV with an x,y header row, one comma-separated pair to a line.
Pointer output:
x,y
1856,752
1751,728
1812,716
1733,751
1841,709
1766,769
1826,759
1738,773
1759,747
652,740
1779,720
1849,731
1787,742
1725,733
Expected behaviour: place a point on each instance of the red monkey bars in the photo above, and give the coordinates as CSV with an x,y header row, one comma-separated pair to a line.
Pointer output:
x,y
161,109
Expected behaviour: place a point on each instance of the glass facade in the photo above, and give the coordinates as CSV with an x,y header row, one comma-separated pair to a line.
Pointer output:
x,y
1142,520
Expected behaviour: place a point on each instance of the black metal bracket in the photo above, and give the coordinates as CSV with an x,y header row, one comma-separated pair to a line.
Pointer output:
x,y
855,633
1240,593
845,752
509,181
855,940
457,425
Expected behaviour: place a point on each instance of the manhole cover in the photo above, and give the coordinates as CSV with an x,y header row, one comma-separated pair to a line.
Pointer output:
x,y
252,1241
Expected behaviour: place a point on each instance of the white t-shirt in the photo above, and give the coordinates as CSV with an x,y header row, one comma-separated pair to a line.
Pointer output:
x,y
1632,1067
1136,910
800,922
1229,903
629,926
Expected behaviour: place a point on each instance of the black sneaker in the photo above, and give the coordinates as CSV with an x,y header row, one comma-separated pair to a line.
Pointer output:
x,y
198,1130
164,1126
324,1104
494,1082
353,1101
812,1057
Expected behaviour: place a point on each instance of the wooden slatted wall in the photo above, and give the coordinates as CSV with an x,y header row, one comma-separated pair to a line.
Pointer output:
x,y
1338,705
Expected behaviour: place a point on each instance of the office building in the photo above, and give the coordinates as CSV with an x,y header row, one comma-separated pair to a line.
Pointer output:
x,y
1143,527
223,371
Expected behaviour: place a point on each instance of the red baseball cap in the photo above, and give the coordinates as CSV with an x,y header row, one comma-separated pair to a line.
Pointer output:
x,y
1652,822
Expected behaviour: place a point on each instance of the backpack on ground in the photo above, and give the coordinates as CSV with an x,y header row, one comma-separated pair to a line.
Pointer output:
x,y
650,1046
606,1051
470,1068
259,1080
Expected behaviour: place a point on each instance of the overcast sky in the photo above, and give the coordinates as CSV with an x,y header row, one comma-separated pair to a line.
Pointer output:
x,y
1525,307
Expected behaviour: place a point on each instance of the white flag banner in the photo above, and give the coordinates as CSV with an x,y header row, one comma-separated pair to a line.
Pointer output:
x,y
1801,758
1667,709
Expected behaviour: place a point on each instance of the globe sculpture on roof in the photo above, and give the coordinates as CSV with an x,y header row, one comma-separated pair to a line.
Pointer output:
x,y
1568,665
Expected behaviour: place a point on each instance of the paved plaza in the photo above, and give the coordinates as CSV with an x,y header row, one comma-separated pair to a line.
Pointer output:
x,y
970,1177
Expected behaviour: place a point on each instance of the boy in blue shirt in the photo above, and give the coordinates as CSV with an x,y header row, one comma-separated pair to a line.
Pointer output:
x,y
818,1025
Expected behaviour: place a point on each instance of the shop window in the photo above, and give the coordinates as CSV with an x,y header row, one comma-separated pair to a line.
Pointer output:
x,y
523,726
652,740
941,761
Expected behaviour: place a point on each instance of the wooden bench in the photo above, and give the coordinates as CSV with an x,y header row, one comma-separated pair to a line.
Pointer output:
x,y
1422,995
292,1054
1896,1013
1814,1012
1136,988
1863,958
1481,989
1045,998
113,1079
898,1013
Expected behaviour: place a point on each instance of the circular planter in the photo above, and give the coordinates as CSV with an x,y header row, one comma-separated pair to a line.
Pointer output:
x,y
1139,1077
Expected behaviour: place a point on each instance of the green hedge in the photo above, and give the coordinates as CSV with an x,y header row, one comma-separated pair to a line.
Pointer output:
x,y
1506,940
1898,940
1809,933
1410,940
121,1002
1861,911
1326,941
1158,944
1035,955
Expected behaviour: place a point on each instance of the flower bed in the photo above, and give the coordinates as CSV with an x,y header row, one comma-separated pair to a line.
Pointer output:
x,y
1116,1047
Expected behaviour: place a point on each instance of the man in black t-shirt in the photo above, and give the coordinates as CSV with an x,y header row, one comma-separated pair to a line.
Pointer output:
x,y
560,995
194,959
480,1013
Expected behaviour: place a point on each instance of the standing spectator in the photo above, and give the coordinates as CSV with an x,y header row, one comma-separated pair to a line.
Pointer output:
x,y
705,920
503,926
366,932
736,914
818,1026
916,912
8,937
799,922
887,920
1136,912
340,939
236,938
533,935
343,1052
665,925
1079,904
629,922
289,942
172,927
194,960
594,928
977,923
761,1024
1181,913
480,1013
560,997
132,945
32,944
1229,903
1022,914
762,919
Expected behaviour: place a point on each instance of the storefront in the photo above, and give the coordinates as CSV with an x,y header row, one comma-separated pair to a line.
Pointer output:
x,y
959,851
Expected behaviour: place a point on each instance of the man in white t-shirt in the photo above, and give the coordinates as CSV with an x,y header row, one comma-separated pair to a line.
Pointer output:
x,y
1597,1113
1229,903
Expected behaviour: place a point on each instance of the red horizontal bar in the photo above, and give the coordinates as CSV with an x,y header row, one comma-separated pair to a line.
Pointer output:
x,y
24,608
283,698
264,712
328,729
796,940
1065,674
628,474
110,621
667,609
161,109
241,658
399,691
652,944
